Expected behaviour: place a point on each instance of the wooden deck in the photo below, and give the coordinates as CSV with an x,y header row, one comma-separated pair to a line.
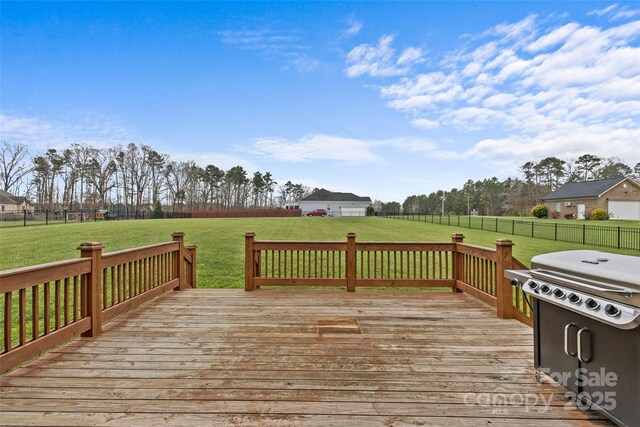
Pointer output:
x,y
229,357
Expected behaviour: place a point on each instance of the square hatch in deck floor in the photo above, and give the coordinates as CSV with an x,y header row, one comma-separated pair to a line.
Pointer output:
x,y
337,325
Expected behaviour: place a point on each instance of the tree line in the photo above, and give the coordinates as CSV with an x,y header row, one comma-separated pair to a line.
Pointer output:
x,y
515,196
135,177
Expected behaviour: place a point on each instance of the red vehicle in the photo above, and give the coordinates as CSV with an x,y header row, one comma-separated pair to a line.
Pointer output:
x,y
317,212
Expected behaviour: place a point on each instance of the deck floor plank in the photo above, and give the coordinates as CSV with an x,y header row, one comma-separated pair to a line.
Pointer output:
x,y
229,357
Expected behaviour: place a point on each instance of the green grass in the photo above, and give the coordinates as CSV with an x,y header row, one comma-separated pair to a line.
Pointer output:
x,y
221,241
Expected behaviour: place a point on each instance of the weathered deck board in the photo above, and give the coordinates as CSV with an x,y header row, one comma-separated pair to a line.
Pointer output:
x,y
229,357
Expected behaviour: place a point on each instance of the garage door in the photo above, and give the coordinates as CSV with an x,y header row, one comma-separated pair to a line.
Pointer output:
x,y
624,210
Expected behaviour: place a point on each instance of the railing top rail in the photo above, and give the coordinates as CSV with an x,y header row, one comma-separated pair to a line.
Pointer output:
x,y
298,245
23,277
128,255
435,246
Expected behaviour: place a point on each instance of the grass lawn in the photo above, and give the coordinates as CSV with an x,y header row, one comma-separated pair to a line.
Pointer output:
x,y
221,241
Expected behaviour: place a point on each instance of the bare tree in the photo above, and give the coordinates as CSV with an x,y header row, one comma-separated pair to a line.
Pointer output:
x,y
13,165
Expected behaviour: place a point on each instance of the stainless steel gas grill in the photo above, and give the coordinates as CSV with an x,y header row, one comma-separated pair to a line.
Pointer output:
x,y
586,310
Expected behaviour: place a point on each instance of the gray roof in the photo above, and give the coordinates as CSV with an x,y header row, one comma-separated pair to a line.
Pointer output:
x,y
323,195
584,189
9,199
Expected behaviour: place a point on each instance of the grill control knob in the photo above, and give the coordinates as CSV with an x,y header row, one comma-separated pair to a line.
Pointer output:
x,y
558,293
592,304
574,299
533,285
545,289
612,310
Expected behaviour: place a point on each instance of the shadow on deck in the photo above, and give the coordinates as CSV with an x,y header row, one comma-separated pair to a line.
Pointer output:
x,y
294,357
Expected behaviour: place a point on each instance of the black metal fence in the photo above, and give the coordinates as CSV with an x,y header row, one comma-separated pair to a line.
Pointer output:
x,y
26,218
586,234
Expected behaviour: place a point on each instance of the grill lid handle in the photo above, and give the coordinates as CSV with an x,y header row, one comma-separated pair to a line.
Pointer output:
x,y
562,279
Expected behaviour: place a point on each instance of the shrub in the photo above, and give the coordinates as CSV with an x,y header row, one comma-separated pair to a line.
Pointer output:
x,y
539,211
599,214
569,216
157,210
370,211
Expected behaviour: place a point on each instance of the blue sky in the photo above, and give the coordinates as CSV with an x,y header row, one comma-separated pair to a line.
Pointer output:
x,y
383,99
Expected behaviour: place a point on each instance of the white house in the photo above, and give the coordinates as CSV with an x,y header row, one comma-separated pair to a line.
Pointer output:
x,y
9,202
336,204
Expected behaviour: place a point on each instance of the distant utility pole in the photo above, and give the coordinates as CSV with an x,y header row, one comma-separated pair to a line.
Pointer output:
x,y
443,197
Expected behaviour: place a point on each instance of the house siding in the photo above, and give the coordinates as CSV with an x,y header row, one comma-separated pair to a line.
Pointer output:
x,y
333,208
617,193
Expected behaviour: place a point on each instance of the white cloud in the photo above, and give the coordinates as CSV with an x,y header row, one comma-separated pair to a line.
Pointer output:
x,y
604,11
409,56
616,12
424,123
378,60
280,45
98,130
317,147
353,29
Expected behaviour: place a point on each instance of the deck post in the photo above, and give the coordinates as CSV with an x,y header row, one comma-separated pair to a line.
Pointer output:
x,y
192,252
351,262
504,293
249,264
91,302
178,265
457,261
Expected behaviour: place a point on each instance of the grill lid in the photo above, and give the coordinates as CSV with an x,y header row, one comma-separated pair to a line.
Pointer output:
x,y
592,266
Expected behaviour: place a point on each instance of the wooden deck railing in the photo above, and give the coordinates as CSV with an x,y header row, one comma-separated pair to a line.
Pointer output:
x,y
46,305
462,267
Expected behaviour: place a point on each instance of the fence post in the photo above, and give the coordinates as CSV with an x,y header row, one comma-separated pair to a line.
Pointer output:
x,y
555,231
192,252
504,296
513,226
351,262
248,261
91,286
65,216
618,237
533,224
178,265
24,217
457,261
46,217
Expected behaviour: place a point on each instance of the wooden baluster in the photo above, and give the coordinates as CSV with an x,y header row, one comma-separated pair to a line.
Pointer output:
x,y
47,308
8,320
351,262
35,312
67,301
22,312
57,305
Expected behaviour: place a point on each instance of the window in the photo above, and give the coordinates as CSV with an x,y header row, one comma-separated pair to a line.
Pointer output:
x,y
558,207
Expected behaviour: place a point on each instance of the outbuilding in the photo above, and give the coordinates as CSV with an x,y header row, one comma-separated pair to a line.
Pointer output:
x,y
336,204
619,197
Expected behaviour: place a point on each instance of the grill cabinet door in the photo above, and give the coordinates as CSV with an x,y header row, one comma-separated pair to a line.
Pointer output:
x,y
610,370
549,342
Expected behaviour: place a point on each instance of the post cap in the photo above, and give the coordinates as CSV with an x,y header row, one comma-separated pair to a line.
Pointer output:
x,y
249,234
177,234
352,234
191,246
90,246
504,242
